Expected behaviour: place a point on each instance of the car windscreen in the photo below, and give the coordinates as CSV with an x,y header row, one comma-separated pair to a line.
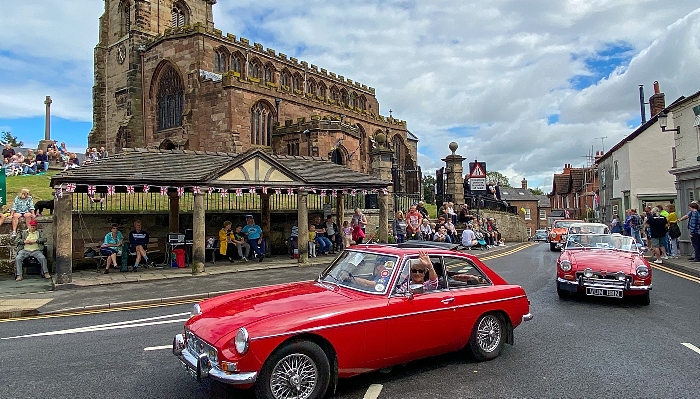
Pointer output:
x,y
600,241
363,271
562,225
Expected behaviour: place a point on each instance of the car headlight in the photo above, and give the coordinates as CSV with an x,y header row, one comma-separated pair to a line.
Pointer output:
x,y
196,310
242,341
642,271
588,273
565,265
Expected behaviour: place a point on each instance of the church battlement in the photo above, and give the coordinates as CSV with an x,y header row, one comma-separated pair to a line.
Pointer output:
x,y
200,28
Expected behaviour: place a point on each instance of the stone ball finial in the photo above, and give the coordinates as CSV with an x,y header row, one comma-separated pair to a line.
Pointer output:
x,y
453,147
381,138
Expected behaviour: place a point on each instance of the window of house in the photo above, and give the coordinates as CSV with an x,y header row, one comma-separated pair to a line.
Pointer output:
x,y
617,175
567,202
170,99
529,231
261,124
527,214
543,214
615,209
691,196
178,17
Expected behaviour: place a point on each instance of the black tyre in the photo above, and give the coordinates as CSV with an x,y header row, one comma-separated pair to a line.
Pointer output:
x,y
644,299
552,246
563,294
297,370
488,337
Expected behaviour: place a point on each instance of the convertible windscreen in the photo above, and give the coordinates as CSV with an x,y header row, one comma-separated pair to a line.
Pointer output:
x,y
362,271
600,241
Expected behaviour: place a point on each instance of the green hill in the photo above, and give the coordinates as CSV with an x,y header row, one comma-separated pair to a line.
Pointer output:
x,y
38,186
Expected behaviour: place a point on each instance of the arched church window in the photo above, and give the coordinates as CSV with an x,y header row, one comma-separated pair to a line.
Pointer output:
x,y
220,60
269,75
397,143
321,91
170,99
236,63
286,78
311,86
297,82
335,95
126,18
254,69
344,96
362,102
351,99
337,157
178,16
261,124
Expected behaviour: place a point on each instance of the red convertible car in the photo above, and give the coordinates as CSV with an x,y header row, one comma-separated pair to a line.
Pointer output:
x,y
603,265
295,340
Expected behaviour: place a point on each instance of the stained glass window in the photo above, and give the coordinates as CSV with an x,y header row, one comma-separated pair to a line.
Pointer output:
x,y
170,99
261,124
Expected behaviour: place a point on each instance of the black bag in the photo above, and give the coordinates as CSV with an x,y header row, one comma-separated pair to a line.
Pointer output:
x,y
674,231
90,253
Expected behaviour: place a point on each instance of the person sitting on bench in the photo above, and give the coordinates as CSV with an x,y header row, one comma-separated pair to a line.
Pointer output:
x,y
138,242
110,246
31,242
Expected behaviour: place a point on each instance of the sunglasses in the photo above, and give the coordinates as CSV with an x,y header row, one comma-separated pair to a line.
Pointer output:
x,y
417,270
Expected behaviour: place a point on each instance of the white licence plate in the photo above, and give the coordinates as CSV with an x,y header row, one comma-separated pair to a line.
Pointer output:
x,y
604,292
192,373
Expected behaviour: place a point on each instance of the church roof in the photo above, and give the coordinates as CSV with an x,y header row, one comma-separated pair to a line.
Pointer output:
x,y
183,168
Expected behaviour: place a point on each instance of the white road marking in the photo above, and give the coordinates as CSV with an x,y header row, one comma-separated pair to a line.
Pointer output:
x,y
150,321
373,391
156,348
691,347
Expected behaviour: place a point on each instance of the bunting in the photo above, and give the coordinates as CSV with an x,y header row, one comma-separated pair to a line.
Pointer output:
x,y
164,191
210,190
146,188
278,191
59,191
290,191
91,190
223,192
239,192
180,191
129,189
110,190
252,190
197,190
70,187
353,192
264,190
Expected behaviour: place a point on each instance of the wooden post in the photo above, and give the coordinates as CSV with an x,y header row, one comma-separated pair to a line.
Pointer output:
x,y
63,218
198,238
383,217
265,221
303,224
174,213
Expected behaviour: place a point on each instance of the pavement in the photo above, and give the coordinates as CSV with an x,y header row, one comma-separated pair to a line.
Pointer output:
x,y
35,295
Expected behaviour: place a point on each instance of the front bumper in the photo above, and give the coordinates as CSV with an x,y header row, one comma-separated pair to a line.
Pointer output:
x,y
199,366
583,283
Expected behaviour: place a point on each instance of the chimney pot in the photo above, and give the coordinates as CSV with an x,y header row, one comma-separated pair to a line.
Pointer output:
x,y
657,102
656,87
523,183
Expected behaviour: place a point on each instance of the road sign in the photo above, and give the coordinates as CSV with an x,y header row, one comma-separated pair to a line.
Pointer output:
x,y
477,176
477,184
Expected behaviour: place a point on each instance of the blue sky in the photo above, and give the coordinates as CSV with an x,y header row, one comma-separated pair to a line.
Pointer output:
x,y
528,88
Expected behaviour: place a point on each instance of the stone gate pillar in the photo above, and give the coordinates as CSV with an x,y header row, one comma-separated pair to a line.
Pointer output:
x,y
198,235
303,224
63,219
381,166
454,176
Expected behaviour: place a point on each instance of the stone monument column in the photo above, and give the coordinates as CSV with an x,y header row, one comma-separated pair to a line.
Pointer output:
x,y
43,144
455,177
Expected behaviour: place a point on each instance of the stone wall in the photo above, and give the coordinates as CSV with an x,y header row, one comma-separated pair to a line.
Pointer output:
x,y
512,227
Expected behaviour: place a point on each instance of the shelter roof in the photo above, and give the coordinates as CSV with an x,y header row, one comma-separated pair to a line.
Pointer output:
x,y
184,168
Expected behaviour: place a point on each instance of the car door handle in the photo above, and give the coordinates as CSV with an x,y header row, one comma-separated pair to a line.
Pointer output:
x,y
447,300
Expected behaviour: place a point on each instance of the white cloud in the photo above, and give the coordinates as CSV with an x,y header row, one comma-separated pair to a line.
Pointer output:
x,y
498,69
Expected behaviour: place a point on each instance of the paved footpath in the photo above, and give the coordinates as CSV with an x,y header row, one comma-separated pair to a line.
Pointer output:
x,y
92,290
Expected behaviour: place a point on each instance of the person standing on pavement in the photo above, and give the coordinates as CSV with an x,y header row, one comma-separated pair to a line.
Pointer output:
x,y
693,217
615,225
359,220
30,242
636,226
657,231
255,237
398,227
673,230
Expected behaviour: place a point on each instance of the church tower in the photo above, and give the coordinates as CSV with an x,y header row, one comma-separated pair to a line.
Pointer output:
x,y
125,28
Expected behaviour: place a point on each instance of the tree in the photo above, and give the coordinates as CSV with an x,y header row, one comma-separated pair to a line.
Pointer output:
x,y
429,188
497,177
536,191
8,138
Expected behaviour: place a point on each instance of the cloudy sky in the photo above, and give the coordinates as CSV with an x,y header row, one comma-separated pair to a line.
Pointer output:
x,y
526,86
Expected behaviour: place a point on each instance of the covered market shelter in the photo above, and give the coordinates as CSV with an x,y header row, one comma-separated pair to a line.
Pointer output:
x,y
176,172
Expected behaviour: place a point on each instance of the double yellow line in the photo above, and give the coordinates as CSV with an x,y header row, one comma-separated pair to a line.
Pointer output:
x,y
676,273
506,253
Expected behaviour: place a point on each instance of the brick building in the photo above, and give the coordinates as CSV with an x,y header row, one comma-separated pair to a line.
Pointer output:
x,y
574,193
527,204
166,78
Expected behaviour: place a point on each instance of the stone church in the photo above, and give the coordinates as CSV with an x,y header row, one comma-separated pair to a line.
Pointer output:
x,y
165,77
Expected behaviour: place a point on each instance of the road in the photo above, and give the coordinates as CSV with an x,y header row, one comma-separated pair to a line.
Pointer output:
x,y
578,348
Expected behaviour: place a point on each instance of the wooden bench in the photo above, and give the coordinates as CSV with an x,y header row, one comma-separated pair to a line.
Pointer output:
x,y
154,245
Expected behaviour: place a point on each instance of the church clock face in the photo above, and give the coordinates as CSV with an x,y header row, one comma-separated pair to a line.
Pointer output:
x,y
121,54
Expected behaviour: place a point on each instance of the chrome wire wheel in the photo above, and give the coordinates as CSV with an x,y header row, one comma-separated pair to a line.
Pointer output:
x,y
489,333
294,377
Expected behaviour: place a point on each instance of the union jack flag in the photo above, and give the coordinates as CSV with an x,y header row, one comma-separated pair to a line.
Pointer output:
x,y
146,188
180,191
223,192
110,190
344,191
239,192
70,187
290,191
278,191
373,191
251,190
59,192
385,191
334,193
210,190
364,192
130,189
264,190
313,190
164,190
91,190
197,190
323,193
353,192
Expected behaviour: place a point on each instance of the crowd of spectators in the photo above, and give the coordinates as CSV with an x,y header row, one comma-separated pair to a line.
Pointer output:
x,y
18,163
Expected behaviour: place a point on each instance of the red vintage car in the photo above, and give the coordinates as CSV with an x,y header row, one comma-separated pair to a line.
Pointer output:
x,y
607,265
558,232
295,340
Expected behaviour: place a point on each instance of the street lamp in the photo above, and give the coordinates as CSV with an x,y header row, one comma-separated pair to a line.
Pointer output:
x,y
663,122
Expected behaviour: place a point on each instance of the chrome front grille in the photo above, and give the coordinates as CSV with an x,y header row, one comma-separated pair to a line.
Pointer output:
x,y
197,346
609,281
